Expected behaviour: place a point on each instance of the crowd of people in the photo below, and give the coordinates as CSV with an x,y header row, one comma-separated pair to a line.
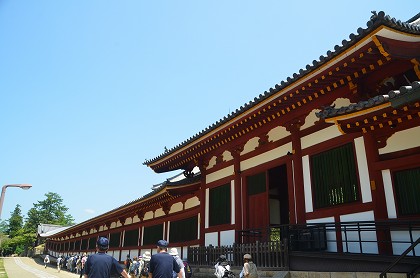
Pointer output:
x,y
163,264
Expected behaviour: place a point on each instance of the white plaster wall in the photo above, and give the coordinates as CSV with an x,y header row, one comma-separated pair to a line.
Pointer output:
x,y
310,119
227,156
389,194
128,221
353,247
307,184
320,136
159,212
206,219
331,236
192,202
227,237
267,156
402,140
251,145
198,226
212,162
232,202
363,170
277,133
116,255
133,253
176,207
222,173
399,237
136,219
211,238
148,215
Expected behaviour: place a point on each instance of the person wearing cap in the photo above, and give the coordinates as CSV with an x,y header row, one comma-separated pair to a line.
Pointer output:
x,y
102,265
221,266
174,253
250,269
162,265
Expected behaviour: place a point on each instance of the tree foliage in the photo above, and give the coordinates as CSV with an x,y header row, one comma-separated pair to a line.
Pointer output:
x,y
17,236
48,211
15,222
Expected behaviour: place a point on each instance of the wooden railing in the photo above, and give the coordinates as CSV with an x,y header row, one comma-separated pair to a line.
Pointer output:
x,y
267,254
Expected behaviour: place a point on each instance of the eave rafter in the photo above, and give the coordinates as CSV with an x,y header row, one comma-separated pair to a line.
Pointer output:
x,y
380,118
279,106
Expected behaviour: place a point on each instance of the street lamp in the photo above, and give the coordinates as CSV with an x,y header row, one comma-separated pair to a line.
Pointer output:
x,y
3,192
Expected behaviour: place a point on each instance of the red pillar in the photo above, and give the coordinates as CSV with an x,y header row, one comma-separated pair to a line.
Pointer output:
x,y
378,192
237,188
299,196
202,196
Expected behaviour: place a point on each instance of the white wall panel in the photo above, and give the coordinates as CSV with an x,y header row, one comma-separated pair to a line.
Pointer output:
x,y
363,170
211,238
320,136
266,157
402,140
225,172
307,185
389,194
227,237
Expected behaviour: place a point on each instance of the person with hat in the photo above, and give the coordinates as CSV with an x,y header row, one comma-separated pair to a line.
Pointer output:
x,y
162,265
221,267
102,265
144,267
250,269
174,253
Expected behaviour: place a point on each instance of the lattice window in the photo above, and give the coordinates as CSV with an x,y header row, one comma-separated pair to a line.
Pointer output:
x,y
219,205
334,177
407,189
184,230
152,234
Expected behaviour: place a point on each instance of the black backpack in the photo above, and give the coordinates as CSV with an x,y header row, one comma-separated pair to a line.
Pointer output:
x,y
145,269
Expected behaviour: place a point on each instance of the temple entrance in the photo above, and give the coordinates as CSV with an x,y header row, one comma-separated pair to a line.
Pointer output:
x,y
267,202
278,195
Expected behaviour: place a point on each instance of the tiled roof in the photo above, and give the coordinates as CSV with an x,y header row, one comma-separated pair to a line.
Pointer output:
x,y
392,96
377,19
156,189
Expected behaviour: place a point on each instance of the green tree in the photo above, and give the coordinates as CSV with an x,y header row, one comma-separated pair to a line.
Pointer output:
x,y
48,211
15,222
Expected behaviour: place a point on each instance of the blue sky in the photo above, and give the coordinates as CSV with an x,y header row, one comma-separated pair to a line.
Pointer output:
x,y
90,89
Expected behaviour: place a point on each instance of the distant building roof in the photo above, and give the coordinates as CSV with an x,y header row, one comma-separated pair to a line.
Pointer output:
x,y
46,230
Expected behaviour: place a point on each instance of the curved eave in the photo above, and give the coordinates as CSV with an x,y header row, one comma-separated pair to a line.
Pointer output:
x,y
381,112
251,115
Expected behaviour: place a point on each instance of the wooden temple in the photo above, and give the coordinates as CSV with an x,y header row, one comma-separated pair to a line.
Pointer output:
x,y
339,141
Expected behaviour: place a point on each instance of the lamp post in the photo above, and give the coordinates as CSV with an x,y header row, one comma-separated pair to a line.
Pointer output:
x,y
3,192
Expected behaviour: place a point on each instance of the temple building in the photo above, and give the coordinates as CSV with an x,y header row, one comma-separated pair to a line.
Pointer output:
x,y
337,142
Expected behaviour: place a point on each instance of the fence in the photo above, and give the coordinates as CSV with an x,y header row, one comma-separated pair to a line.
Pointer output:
x,y
364,237
266,254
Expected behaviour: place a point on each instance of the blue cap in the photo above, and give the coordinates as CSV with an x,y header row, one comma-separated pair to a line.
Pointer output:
x,y
162,243
102,243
